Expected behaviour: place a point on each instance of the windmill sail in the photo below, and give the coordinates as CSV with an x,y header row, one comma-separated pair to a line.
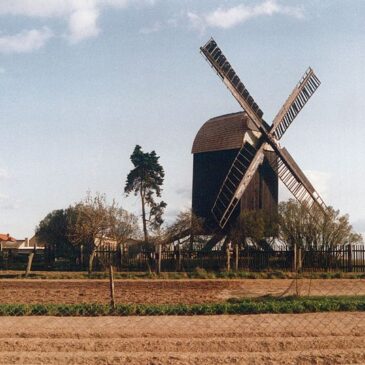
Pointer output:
x,y
224,69
296,181
239,176
295,103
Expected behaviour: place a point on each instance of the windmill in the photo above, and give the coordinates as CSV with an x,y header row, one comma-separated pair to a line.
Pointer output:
x,y
251,154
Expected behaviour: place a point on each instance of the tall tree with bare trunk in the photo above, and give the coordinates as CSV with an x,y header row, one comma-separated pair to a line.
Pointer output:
x,y
145,180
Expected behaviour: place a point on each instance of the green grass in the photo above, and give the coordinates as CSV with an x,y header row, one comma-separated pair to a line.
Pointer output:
x,y
242,306
196,274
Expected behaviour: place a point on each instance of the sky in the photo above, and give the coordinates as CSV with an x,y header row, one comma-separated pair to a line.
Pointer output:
x,y
83,81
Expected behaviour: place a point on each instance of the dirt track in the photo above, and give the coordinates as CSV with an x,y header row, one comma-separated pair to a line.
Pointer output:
x,y
319,338
167,291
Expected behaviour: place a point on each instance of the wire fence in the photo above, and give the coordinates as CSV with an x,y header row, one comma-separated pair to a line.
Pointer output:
x,y
300,317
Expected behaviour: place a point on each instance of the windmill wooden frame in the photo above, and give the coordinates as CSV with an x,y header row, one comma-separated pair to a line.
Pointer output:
x,y
251,155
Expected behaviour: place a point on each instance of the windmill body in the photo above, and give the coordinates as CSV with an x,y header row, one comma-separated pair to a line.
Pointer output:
x,y
238,158
215,147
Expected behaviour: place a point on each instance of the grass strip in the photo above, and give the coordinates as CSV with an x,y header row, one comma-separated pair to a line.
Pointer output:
x,y
233,306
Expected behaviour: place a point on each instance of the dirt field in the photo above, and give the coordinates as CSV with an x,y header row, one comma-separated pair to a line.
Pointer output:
x,y
167,291
320,338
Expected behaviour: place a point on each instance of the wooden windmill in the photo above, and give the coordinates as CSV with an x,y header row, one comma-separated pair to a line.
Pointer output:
x,y
251,155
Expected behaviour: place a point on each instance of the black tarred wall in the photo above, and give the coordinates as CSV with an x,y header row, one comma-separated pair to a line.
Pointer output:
x,y
209,171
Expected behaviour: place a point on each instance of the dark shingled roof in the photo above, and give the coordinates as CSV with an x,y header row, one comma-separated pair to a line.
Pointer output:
x,y
225,132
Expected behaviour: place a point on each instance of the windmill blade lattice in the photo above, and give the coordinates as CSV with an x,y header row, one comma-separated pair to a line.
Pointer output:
x,y
296,181
295,103
239,176
224,69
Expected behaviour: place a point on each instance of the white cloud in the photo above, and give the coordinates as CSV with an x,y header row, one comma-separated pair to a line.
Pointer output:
x,y
83,24
229,17
25,41
81,15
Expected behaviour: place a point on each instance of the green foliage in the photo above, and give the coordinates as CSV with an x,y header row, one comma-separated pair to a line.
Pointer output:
x,y
258,226
262,305
314,229
146,180
53,231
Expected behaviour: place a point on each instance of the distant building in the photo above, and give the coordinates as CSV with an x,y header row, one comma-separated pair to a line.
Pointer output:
x,y
10,244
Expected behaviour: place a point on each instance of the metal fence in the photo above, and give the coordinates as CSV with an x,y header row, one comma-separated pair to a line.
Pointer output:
x,y
341,259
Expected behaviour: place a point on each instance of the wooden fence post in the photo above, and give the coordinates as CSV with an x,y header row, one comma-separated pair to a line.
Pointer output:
x,y
349,257
111,287
158,258
295,257
228,262
299,265
121,251
82,256
179,257
30,260
236,256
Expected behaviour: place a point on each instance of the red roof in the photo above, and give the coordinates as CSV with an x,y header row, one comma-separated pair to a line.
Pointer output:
x,y
6,237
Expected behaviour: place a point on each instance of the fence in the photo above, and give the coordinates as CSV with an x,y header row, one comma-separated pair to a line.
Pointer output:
x,y
342,259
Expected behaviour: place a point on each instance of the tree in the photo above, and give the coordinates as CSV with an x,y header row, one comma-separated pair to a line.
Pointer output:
x,y
187,224
89,226
122,224
255,226
146,180
314,230
53,231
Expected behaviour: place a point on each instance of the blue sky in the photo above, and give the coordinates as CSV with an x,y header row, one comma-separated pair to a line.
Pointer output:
x,y
82,82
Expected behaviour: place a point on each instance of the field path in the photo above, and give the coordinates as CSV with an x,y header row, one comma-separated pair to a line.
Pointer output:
x,y
319,338
167,291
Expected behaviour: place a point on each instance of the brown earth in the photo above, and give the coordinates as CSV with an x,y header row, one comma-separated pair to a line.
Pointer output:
x,y
168,291
317,338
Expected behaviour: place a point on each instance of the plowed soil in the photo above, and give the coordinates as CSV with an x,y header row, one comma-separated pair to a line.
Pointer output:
x,y
318,338
167,291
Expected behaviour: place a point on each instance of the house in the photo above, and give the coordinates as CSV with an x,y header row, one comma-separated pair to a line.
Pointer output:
x,y
23,246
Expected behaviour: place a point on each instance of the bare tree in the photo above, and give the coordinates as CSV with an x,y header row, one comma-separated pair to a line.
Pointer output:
x,y
122,224
314,229
89,225
186,223
186,226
